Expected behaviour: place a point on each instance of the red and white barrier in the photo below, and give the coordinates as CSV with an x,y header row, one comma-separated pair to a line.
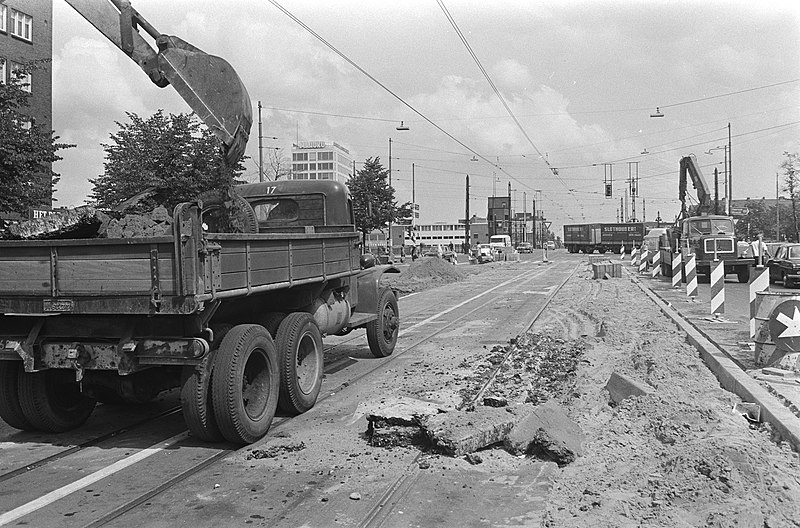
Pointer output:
x,y
676,270
656,271
759,281
634,256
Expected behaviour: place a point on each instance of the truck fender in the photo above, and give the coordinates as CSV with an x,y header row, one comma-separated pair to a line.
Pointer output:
x,y
368,287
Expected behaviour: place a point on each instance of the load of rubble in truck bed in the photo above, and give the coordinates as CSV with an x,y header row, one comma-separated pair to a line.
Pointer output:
x,y
88,222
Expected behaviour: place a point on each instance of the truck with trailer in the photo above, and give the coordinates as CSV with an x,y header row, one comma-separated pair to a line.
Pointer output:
x,y
602,237
233,319
699,231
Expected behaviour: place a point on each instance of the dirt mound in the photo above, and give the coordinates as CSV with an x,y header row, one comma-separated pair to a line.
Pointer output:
x,y
424,273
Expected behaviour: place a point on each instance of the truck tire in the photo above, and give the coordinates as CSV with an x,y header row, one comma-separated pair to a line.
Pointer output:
x,y
271,321
196,401
244,387
52,401
243,219
743,274
300,355
382,332
10,408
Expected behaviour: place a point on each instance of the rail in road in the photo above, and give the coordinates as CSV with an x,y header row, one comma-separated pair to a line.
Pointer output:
x,y
108,478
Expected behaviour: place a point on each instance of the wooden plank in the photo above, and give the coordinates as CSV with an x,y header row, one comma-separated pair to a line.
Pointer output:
x,y
119,276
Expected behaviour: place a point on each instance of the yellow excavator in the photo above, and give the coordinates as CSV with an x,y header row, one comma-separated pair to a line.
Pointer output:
x,y
207,83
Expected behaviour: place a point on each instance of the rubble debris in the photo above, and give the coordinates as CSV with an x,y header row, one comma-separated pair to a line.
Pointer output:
x,y
495,401
81,222
606,270
157,222
274,451
751,411
460,432
621,387
473,458
355,496
396,421
546,430
425,273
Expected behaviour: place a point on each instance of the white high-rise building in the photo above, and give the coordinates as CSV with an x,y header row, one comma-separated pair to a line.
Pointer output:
x,y
319,160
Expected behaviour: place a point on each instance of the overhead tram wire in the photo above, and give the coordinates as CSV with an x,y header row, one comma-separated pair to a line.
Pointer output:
x,y
496,90
386,88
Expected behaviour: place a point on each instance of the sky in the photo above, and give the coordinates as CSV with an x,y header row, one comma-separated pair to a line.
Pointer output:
x,y
563,106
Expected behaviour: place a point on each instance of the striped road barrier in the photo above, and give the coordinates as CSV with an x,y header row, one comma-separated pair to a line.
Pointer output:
x,y
718,288
656,264
622,252
643,262
691,277
759,281
634,256
676,270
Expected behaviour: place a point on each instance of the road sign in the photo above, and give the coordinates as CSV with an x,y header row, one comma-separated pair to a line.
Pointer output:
x,y
547,224
784,326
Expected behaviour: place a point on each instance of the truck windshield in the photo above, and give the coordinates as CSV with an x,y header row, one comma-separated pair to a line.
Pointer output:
x,y
712,226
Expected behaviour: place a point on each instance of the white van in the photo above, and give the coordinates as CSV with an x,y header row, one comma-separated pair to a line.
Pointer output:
x,y
501,243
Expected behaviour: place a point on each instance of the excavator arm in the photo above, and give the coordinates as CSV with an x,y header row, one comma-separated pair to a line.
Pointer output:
x,y
689,165
207,83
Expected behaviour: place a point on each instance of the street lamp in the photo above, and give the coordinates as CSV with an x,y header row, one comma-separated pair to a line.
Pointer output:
x,y
657,113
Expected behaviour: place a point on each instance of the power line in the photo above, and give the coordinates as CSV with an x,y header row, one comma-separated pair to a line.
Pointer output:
x,y
729,93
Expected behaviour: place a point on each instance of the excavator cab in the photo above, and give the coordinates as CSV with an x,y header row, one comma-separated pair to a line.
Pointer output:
x,y
209,84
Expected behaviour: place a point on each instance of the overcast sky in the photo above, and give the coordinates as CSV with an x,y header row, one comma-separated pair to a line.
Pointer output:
x,y
581,78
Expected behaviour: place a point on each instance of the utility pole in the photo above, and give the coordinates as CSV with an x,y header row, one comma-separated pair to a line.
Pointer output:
x,y
260,148
730,169
467,239
389,237
510,218
777,210
524,216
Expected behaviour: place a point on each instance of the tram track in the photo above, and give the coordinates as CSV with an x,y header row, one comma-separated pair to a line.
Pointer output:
x,y
485,297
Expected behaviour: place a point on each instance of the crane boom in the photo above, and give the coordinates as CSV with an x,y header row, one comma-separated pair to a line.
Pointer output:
x,y
689,165
209,84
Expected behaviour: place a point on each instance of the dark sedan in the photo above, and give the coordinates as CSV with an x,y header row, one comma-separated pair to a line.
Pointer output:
x,y
785,265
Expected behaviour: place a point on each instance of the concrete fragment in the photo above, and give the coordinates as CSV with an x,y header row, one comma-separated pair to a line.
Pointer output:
x,y
547,429
395,421
495,401
620,387
460,432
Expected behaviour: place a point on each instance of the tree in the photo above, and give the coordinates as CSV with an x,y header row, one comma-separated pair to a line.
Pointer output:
x,y
791,181
278,165
27,151
373,199
176,156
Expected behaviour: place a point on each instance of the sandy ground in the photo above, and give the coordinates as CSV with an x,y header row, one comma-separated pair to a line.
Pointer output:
x,y
679,456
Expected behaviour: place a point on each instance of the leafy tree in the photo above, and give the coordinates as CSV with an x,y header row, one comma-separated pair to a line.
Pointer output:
x,y
174,156
27,151
373,199
791,181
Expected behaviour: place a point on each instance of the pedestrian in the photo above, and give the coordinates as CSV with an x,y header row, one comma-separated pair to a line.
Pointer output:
x,y
759,250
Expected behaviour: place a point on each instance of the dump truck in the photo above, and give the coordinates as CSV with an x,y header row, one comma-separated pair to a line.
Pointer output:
x,y
701,232
602,237
233,319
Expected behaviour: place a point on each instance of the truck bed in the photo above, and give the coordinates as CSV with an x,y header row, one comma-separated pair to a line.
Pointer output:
x,y
168,275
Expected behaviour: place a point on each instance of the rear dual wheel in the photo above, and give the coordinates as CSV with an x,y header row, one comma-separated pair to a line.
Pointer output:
x,y
52,401
244,387
299,344
10,407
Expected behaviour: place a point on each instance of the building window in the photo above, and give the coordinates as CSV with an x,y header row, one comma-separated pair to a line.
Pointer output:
x,y
312,156
25,79
324,156
3,17
300,156
312,166
2,71
21,25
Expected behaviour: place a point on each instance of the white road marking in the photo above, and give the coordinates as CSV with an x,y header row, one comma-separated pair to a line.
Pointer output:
x,y
49,498
444,312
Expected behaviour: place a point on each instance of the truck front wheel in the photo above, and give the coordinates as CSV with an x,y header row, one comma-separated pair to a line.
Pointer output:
x,y
382,332
300,352
52,401
244,387
10,408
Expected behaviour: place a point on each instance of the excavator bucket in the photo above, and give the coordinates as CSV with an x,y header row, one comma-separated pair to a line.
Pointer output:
x,y
212,89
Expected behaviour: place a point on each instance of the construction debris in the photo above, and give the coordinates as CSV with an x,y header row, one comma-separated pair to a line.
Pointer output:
x,y
620,387
546,430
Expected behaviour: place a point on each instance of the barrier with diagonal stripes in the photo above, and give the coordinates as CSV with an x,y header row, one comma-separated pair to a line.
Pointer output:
x,y
759,281
676,270
634,256
656,271
691,276
718,287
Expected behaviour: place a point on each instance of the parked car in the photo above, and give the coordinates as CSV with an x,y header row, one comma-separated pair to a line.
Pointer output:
x,y
551,244
484,253
785,265
525,247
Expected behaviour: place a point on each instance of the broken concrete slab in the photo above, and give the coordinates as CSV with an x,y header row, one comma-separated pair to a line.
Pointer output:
x,y
547,430
395,421
620,387
460,432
